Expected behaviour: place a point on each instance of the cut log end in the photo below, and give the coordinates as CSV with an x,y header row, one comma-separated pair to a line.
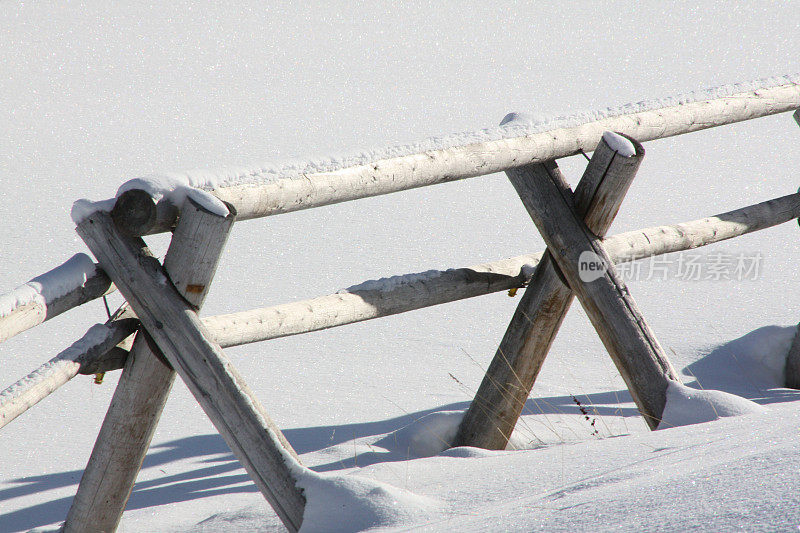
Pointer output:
x,y
135,212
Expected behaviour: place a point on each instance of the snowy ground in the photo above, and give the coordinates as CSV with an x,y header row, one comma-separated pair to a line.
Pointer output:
x,y
95,94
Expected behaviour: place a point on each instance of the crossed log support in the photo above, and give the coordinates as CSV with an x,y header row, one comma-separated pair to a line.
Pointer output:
x,y
572,227
166,299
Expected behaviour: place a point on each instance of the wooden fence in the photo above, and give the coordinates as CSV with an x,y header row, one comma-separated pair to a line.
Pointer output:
x,y
159,335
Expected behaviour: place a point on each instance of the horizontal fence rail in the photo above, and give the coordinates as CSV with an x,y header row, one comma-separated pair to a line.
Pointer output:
x,y
193,204
258,194
400,294
75,282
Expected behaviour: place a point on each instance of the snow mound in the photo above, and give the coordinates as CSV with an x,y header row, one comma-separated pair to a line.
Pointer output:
x,y
342,503
426,436
432,434
746,365
686,406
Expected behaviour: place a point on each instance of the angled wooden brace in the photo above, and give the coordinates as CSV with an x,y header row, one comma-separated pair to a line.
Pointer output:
x,y
171,321
501,397
614,314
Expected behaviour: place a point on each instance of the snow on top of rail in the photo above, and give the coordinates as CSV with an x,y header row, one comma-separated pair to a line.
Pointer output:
x,y
50,285
176,185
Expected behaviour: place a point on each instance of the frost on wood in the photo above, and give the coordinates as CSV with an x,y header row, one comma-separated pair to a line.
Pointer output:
x,y
51,285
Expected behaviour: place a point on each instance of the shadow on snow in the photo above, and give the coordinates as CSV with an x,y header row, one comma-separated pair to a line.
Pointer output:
x,y
729,367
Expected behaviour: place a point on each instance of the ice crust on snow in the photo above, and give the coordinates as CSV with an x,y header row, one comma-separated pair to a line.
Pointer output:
x,y
686,406
177,185
51,285
619,144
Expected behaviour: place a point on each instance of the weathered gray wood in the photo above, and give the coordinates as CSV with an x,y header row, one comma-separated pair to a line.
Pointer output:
x,y
84,356
146,381
222,393
606,300
134,212
379,298
264,193
498,403
45,296
399,294
792,368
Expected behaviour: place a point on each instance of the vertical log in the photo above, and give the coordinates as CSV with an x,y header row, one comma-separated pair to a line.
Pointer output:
x,y
792,368
146,381
501,397
174,327
605,298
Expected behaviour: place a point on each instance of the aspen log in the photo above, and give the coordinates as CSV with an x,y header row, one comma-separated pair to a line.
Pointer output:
x,y
265,194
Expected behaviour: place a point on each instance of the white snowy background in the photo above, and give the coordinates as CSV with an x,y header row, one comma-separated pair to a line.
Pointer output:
x,y
95,93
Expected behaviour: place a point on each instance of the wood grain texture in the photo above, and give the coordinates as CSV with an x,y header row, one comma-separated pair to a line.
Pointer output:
x,y
175,328
376,299
501,396
437,287
606,300
146,381
314,189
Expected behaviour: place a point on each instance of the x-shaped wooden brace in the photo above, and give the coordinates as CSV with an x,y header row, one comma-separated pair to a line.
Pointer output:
x,y
572,227
166,299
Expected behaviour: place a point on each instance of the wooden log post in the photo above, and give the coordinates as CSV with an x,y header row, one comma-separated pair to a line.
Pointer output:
x,y
792,367
146,381
589,272
176,330
500,399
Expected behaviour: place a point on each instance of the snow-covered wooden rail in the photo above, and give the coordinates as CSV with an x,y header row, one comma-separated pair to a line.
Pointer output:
x,y
164,299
